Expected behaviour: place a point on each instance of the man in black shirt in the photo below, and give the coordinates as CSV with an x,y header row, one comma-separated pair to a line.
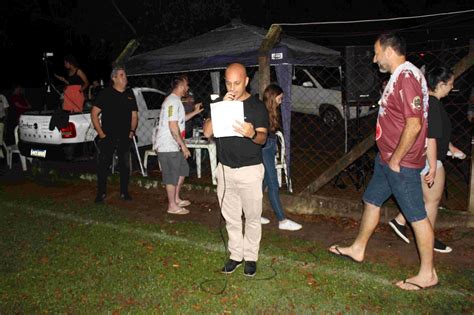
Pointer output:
x,y
240,173
115,130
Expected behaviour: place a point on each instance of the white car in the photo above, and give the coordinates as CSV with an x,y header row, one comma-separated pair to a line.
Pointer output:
x,y
309,96
75,140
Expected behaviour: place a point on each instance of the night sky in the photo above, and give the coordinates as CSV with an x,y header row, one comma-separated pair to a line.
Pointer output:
x,y
95,32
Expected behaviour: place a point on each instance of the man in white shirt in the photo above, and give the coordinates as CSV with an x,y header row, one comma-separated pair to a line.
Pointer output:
x,y
3,118
170,140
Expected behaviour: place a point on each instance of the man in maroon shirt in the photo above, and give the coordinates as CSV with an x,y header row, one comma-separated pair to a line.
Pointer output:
x,y
400,136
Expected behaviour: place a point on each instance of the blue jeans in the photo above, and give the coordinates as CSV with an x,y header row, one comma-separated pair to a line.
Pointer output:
x,y
270,179
405,186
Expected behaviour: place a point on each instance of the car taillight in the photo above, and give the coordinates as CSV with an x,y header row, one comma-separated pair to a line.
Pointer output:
x,y
69,131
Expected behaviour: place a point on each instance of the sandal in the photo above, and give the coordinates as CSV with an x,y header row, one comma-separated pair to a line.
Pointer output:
x,y
178,211
184,203
419,287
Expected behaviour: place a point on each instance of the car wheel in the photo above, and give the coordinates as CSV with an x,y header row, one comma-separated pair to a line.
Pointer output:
x,y
331,117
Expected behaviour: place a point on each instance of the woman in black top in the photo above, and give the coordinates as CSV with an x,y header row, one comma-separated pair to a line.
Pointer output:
x,y
440,83
76,83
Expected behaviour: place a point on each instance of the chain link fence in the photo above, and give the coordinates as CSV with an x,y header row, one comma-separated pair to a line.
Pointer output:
x,y
333,109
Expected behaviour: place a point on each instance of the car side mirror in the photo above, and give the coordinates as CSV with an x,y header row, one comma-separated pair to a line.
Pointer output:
x,y
308,84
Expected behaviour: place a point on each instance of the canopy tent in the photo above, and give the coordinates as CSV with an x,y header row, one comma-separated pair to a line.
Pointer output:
x,y
235,42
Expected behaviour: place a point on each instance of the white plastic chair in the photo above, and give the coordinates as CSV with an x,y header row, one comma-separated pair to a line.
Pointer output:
x,y
145,160
147,154
2,138
153,150
280,162
12,149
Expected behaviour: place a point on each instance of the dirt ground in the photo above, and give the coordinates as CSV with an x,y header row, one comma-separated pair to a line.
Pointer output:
x,y
149,205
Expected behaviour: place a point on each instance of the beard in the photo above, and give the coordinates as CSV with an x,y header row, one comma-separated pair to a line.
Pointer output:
x,y
382,69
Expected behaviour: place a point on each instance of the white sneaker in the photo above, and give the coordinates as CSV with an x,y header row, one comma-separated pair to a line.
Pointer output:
x,y
264,220
289,225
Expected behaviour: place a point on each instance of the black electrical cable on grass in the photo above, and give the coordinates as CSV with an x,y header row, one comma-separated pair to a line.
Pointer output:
x,y
201,285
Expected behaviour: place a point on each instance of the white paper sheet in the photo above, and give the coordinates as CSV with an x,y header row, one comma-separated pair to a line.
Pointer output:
x,y
224,115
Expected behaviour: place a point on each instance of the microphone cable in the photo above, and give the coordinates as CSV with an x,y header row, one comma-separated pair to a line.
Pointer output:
x,y
224,244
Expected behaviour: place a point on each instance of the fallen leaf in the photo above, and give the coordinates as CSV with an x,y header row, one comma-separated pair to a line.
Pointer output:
x,y
310,279
44,260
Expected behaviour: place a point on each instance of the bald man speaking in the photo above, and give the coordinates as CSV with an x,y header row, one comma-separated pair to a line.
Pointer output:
x,y
240,173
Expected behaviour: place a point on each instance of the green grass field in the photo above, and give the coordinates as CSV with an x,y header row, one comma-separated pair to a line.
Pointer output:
x,y
66,258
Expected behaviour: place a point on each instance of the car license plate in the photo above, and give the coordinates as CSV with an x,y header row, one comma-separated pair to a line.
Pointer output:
x,y
38,153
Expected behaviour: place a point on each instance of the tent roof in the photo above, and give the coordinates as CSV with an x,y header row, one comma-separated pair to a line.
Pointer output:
x,y
234,42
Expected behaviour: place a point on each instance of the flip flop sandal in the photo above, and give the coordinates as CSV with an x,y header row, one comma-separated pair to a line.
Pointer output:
x,y
184,203
340,254
419,286
178,211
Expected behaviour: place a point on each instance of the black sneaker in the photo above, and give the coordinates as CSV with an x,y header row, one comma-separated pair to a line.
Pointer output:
x,y
440,247
401,230
100,198
126,197
250,268
230,266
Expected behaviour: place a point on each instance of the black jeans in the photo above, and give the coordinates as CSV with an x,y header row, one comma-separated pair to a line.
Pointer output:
x,y
106,148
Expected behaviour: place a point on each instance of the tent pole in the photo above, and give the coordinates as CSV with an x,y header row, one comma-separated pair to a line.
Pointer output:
x,y
127,52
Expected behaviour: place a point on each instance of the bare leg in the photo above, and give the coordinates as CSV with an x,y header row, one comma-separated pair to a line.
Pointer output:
x,y
171,192
426,276
178,189
369,222
431,196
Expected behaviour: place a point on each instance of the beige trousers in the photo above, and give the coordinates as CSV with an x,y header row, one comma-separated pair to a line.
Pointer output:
x,y
240,189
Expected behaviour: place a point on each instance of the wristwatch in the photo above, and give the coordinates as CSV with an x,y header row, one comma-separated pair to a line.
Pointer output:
x,y
254,135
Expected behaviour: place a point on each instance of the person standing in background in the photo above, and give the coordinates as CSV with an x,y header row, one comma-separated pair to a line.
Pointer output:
x,y
170,141
3,119
76,85
19,102
272,98
94,90
115,129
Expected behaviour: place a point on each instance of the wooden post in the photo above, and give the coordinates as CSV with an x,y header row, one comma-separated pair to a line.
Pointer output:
x,y
341,164
268,42
466,62
127,52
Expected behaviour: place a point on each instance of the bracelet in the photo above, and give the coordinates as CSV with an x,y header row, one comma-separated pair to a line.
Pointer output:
x,y
131,130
